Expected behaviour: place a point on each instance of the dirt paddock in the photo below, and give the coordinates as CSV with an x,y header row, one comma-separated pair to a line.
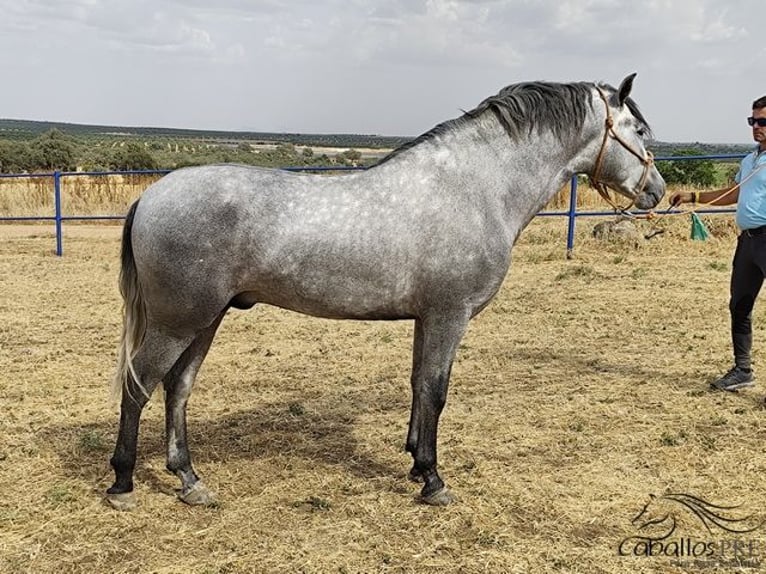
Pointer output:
x,y
578,393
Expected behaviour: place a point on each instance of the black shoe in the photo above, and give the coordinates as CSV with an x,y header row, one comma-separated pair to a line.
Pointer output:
x,y
734,380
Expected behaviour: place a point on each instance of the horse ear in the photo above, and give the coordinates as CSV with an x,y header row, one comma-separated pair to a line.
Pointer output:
x,y
624,91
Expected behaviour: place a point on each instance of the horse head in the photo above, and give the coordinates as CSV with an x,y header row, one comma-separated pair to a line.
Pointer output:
x,y
623,163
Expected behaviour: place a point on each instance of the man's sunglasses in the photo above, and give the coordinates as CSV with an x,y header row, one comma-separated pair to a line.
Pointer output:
x,y
751,121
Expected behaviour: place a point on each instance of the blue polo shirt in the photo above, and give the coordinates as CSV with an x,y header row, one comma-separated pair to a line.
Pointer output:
x,y
751,205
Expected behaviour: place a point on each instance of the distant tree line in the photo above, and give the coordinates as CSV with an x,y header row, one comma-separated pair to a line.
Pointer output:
x,y
28,129
55,150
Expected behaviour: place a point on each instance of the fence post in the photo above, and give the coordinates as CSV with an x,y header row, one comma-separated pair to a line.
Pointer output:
x,y
572,215
57,202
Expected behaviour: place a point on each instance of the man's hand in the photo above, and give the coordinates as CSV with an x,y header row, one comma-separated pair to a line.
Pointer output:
x,y
680,197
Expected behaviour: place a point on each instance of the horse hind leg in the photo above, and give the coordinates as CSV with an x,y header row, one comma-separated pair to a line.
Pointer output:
x,y
178,387
156,356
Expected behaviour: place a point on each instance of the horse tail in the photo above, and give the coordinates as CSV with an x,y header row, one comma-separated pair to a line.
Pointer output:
x,y
133,312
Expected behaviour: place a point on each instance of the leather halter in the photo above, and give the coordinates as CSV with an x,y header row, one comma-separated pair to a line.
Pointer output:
x,y
648,160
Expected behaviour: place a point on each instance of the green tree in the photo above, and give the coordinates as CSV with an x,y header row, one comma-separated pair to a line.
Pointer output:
x,y
698,172
95,158
352,155
53,150
15,157
132,156
729,172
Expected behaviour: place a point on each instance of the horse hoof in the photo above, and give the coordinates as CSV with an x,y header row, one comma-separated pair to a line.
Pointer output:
x,y
198,495
122,500
441,497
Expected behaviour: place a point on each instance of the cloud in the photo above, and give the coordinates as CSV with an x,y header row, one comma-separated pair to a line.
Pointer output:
x,y
324,65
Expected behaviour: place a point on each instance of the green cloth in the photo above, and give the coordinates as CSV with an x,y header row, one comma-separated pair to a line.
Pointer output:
x,y
699,231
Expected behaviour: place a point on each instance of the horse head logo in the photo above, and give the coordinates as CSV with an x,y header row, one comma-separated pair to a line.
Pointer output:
x,y
660,515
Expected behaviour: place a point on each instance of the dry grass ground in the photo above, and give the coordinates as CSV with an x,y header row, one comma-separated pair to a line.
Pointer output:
x,y
577,393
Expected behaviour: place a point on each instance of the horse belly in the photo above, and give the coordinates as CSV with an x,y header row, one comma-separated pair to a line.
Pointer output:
x,y
332,296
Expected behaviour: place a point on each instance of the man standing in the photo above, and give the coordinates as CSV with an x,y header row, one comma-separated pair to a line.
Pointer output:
x,y
749,265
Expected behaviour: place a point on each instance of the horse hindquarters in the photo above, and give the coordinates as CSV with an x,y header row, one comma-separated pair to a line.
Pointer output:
x,y
147,354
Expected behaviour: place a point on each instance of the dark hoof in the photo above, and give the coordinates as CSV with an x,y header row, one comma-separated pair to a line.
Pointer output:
x,y
122,500
198,495
442,497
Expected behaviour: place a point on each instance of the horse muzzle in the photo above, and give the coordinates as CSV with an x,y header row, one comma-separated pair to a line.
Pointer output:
x,y
652,193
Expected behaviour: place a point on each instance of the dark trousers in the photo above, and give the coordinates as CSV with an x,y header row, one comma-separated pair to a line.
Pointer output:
x,y
748,271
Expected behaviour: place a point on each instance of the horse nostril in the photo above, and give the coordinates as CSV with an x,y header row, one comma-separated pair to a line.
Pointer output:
x,y
647,200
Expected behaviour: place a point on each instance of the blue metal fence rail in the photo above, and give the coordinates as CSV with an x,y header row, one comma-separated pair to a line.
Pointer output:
x,y
59,218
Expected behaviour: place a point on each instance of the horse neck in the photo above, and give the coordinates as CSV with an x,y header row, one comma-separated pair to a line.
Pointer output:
x,y
482,142
522,174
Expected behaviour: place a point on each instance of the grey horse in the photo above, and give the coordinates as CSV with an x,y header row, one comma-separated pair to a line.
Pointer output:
x,y
426,235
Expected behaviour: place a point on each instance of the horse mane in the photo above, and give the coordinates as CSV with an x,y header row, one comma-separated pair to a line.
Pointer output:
x,y
521,108
528,106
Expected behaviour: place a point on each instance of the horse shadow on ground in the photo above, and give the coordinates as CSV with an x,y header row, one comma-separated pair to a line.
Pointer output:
x,y
641,371
322,436
586,363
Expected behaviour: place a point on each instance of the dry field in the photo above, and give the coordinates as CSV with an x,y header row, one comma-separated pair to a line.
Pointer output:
x,y
580,391
80,195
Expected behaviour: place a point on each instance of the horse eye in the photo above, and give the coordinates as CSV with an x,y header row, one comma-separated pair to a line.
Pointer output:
x,y
641,132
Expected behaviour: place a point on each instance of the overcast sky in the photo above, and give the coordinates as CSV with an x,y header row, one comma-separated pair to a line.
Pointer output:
x,y
390,67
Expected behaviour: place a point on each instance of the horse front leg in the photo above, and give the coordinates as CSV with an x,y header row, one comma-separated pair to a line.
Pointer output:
x,y
441,336
415,382
178,387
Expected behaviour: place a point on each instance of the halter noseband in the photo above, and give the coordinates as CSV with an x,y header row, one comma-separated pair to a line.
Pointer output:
x,y
601,187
